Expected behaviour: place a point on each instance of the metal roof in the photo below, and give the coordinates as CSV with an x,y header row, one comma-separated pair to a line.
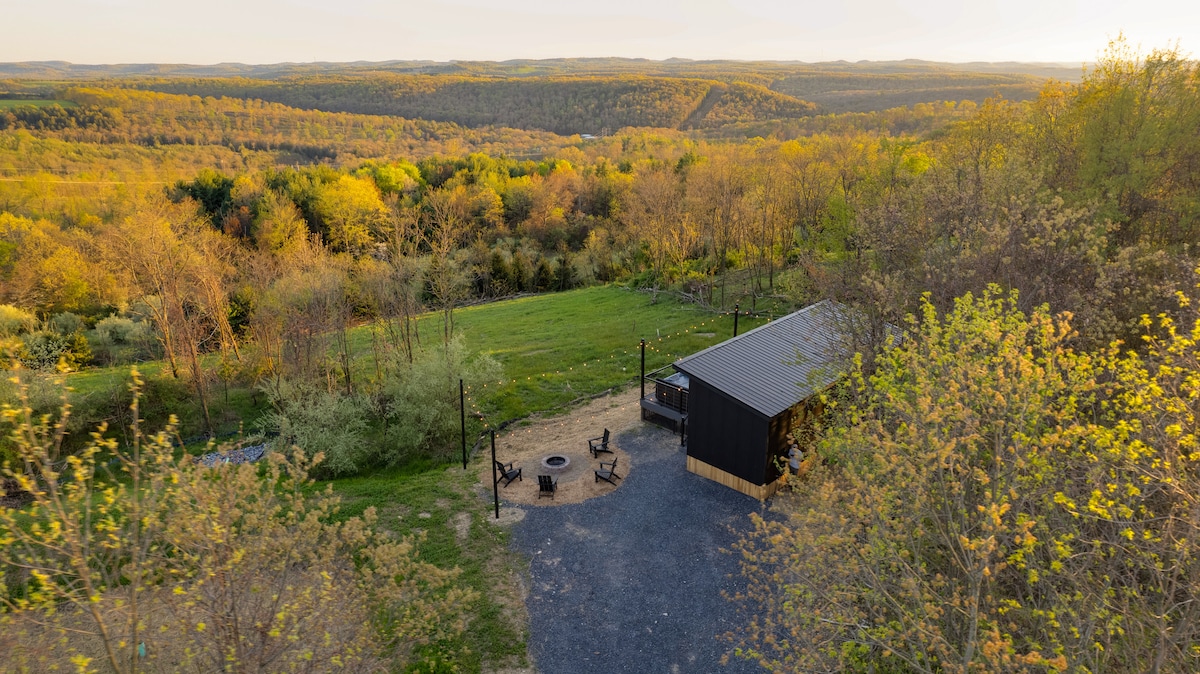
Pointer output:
x,y
777,364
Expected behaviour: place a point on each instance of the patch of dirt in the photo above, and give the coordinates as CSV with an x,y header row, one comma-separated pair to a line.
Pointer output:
x,y
508,516
393,511
510,594
568,436
461,523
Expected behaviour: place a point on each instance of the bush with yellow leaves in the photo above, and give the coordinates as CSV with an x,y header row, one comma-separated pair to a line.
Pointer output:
x,y
148,562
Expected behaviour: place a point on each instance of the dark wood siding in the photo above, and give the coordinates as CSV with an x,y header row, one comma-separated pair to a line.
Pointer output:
x,y
726,434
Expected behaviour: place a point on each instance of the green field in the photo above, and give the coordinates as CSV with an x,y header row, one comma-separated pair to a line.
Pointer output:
x,y
35,102
554,348
560,347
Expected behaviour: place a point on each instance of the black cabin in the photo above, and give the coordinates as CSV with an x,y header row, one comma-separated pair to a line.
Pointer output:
x,y
743,396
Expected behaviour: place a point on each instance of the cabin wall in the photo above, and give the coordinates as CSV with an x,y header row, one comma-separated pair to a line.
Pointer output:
x,y
726,435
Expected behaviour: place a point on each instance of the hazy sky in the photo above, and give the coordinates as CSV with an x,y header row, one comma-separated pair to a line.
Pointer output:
x,y
271,31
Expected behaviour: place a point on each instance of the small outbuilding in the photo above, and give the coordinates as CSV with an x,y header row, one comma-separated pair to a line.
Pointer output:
x,y
745,395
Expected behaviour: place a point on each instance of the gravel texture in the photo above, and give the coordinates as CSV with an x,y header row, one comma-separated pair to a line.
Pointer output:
x,y
234,456
632,581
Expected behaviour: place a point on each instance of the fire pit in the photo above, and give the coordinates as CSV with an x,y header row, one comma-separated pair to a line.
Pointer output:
x,y
555,463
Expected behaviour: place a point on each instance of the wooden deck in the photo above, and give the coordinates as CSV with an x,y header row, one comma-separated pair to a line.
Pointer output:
x,y
651,404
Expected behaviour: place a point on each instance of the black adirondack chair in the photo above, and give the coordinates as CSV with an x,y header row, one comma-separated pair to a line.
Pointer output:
x,y
508,473
547,485
600,444
608,471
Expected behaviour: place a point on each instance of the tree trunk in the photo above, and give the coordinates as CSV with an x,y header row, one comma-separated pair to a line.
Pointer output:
x,y
199,383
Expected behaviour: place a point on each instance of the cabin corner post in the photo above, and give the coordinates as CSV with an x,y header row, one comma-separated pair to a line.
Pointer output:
x,y
462,418
643,378
495,480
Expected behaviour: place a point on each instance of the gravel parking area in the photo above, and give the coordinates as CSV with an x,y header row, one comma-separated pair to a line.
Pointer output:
x,y
631,581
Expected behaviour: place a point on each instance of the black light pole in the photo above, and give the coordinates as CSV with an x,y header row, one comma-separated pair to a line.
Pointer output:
x,y
462,417
495,480
736,309
643,379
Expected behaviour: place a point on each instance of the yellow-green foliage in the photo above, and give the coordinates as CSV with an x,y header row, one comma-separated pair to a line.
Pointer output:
x,y
560,104
151,118
994,502
170,566
863,92
15,320
743,102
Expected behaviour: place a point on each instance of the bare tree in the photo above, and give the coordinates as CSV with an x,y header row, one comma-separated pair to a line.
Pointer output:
x,y
156,249
654,211
446,218
716,196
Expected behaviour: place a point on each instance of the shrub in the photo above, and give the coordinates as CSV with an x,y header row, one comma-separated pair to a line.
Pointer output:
x,y
119,339
43,350
15,321
422,401
117,330
321,422
176,567
10,347
44,393
66,323
543,276
46,350
993,501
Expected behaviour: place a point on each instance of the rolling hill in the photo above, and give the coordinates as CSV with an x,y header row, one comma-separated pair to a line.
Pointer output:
x,y
563,105
570,95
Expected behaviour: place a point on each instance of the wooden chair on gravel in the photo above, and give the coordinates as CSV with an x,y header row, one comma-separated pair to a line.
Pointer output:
x,y
608,471
508,473
600,444
547,486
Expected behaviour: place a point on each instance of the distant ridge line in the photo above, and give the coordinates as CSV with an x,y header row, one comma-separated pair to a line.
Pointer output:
x,y
520,67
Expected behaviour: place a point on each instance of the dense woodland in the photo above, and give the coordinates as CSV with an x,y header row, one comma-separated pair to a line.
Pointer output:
x,y
837,86
238,228
563,105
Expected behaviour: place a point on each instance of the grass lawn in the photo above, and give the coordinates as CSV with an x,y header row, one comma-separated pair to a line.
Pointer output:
x,y
557,348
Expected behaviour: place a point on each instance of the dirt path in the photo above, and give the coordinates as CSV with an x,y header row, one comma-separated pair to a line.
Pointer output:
x,y
567,435
714,94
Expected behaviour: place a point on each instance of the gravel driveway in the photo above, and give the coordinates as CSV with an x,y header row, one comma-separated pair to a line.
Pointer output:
x,y
632,581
